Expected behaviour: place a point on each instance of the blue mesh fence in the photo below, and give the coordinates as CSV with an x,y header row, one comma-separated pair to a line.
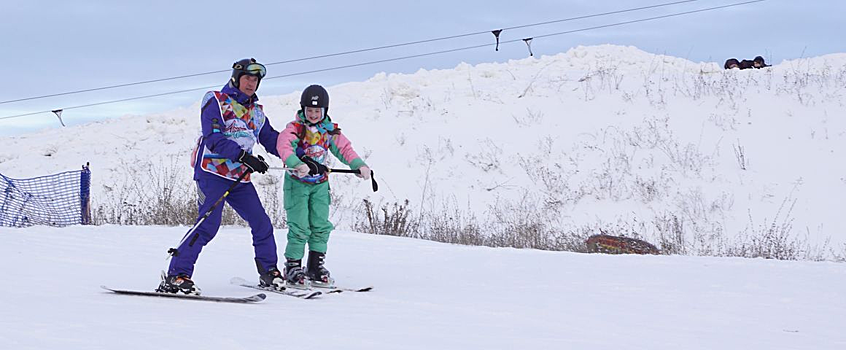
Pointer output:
x,y
54,200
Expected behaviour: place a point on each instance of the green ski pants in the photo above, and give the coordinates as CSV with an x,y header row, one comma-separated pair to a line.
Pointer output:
x,y
307,209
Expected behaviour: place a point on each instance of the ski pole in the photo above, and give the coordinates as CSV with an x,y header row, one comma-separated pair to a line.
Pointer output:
x,y
173,251
347,171
350,171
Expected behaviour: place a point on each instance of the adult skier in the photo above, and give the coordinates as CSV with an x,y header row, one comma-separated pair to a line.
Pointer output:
x,y
232,123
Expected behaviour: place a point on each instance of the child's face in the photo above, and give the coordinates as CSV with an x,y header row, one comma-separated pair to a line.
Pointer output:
x,y
314,114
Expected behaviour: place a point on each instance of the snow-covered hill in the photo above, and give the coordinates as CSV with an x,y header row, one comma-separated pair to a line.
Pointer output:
x,y
603,137
427,296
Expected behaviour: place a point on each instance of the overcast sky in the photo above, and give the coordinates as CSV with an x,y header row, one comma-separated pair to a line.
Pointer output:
x,y
52,47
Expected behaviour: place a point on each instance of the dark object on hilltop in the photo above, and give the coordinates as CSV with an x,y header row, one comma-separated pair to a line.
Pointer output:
x,y
746,64
758,62
731,63
619,245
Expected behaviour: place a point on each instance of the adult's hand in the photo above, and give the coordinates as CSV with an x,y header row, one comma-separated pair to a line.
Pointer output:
x,y
255,164
314,168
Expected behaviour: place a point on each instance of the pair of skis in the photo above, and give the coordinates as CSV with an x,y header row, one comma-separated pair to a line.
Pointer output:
x,y
300,293
293,292
297,293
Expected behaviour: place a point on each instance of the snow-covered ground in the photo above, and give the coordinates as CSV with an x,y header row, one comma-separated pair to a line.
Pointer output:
x,y
427,296
602,137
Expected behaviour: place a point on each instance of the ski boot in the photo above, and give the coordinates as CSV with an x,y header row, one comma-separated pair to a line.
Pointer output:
x,y
177,283
316,272
272,278
294,275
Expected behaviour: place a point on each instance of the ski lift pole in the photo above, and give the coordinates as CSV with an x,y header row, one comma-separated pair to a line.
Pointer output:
x,y
173,251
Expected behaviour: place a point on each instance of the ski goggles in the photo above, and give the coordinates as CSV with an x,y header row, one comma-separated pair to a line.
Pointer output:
x,y
256,69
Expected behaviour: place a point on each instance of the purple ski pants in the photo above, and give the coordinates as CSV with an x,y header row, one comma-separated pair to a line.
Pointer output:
x,y
245,201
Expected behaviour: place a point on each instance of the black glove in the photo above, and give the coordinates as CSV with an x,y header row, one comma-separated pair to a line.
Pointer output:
x,y
253,163
314,168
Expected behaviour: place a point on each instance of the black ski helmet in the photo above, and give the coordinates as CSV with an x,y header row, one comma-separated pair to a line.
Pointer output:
x,y
247,66
315,96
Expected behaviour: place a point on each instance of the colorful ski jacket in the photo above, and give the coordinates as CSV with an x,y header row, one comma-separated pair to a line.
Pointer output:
x,y
231,121
300,138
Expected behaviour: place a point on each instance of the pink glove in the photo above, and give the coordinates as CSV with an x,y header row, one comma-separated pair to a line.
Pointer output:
x,y
364,173
301,170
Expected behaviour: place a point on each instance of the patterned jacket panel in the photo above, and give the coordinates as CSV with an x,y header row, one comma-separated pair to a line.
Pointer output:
x,y
229,126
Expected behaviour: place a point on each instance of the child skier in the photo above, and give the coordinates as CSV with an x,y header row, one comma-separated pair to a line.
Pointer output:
x,y
304,146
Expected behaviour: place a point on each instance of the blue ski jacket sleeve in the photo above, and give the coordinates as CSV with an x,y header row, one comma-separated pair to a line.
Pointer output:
x,y
268,136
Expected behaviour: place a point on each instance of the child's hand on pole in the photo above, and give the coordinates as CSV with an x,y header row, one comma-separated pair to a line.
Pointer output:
x,y
302,170
364,173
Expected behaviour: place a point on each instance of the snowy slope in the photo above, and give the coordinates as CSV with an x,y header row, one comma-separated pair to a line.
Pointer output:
x,y
603,137
428,295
